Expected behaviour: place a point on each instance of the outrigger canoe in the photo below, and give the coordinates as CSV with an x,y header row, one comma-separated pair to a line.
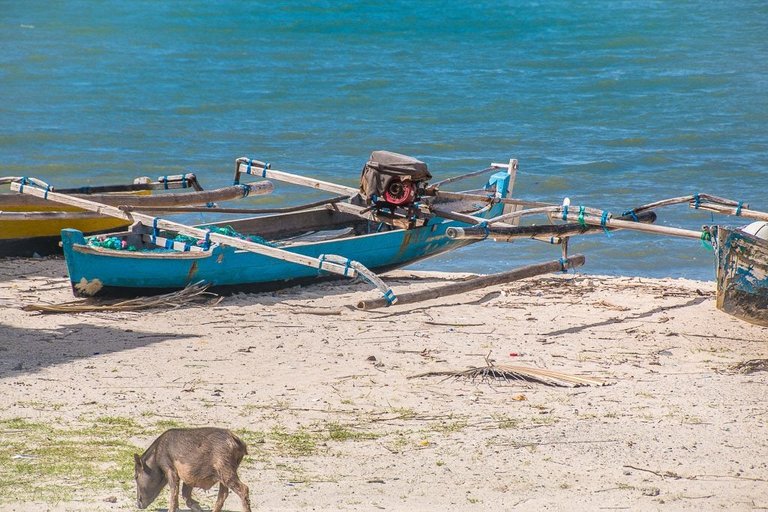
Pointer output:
x,y
354,234
32,225
374,242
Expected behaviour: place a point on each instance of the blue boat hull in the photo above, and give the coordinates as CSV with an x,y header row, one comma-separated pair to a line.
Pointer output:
x,y
228,268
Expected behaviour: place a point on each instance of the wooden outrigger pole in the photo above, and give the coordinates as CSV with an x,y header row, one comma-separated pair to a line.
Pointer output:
x,y
245,165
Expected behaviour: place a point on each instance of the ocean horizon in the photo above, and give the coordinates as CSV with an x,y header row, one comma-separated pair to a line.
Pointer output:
x,y
610,104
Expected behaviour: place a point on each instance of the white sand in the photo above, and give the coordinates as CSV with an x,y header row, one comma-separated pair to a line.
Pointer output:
x,y
674,430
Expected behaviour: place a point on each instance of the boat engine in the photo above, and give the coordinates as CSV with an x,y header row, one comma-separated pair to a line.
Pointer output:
x,y
392,180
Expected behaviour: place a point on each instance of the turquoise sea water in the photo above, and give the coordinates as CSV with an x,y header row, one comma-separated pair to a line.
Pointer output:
x,y
611,103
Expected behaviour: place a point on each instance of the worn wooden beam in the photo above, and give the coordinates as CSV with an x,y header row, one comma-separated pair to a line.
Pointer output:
x,y
478,282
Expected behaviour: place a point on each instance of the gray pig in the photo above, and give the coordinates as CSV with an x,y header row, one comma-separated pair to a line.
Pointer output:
x,y
198,457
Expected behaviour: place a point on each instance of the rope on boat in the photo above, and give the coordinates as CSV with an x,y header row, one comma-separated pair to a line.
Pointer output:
x,y
603,221
364,272
581,217
631,213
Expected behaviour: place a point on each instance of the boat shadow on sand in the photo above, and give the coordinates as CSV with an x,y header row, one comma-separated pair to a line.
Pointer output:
x,y
30,350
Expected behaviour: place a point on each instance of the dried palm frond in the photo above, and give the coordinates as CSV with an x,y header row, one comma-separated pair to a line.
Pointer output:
x,y
193,293
751,366
509,373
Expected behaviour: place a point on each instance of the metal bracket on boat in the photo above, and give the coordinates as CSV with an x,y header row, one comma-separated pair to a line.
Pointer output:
x,y
362,271
396,219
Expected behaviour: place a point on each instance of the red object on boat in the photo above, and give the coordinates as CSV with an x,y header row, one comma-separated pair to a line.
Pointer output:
x,y
400,193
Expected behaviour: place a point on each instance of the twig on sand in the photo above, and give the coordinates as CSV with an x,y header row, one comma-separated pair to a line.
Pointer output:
x,y
455,324
320,312
676,476
665,474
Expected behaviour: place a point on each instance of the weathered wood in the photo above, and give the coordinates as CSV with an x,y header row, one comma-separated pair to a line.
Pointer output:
x,y
245,245
14,179
50,215
738,212
262,169
176,181
459,196
201,197
553,210
14,201
461,177
396,220
250,211
637,226
460,217
508,234
685,199
478,282
742,274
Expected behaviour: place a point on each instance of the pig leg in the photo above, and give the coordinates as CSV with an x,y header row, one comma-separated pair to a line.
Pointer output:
x,y
223,493
186,493
239,488
173,486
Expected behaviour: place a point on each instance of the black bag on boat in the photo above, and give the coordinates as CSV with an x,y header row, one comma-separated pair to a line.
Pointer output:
x,y
388,176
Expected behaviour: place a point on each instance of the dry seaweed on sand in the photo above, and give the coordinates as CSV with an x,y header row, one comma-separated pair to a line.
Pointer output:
x,y
193,294
751,366
507,373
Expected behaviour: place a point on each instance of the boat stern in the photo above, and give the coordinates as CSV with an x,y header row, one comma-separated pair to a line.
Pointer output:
x,y
81,284
742,274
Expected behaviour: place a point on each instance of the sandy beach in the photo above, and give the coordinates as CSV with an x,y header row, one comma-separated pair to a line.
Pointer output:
x,y
326,399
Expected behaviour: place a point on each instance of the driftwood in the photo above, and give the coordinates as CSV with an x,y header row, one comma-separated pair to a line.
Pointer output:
x,y
478,282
